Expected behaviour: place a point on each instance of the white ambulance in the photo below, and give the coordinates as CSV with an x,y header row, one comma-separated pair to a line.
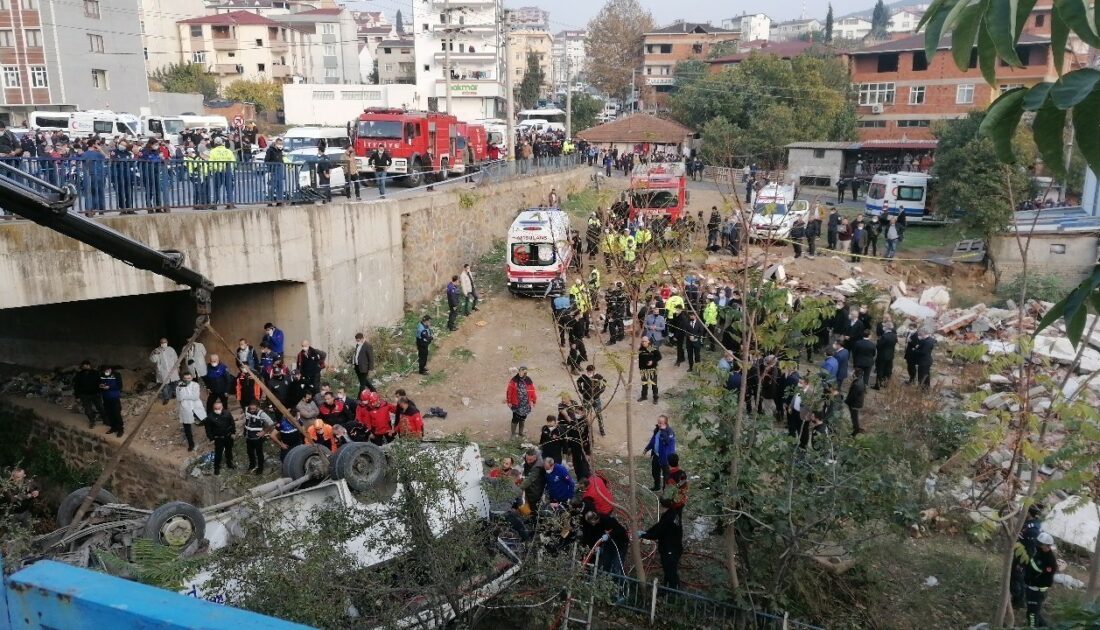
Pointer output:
x,y
538,253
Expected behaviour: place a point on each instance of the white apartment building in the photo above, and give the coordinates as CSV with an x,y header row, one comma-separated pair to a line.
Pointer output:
x,y
793,29
330,44
242,45
851,28
569,58
904,21
752,27
160,35
468,34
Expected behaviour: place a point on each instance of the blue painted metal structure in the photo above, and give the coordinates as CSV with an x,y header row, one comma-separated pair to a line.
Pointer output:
x,y
53,596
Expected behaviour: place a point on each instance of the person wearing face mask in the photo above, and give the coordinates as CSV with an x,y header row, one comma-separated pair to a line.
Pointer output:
x,y
310,363
191,409
220,428
218,382
152,173
274,160
110,390
166,361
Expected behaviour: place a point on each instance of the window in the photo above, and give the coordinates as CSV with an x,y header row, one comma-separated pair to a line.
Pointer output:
x,y
32,37
666,49
909,124
910,193
7,38
871,124
426,28
39,79
916,95
145,53
964,94
328,29
697,48
260,67
356,95
389,67
888,63
876,93
95,43
324,95
1040,20
819,154
259,43
330,50
99,79
427,68
198,56
91,8
196,31
920,61
387,51
29,5
11,76
331,73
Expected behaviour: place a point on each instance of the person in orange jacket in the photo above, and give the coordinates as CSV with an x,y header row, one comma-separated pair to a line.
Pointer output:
x,y
410,423
321,434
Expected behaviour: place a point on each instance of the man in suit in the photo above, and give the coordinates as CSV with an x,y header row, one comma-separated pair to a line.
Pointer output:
x,y
362,359
693,333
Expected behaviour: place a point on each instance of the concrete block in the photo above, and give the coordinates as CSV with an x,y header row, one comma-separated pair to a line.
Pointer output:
x,y
910,308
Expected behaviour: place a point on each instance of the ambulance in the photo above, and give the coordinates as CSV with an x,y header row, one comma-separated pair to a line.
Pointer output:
x,y
774,210
538,253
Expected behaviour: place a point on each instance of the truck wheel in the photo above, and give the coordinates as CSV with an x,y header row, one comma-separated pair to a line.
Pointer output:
x,y
67,510
444,170
175,524
361,465
415,176
307,459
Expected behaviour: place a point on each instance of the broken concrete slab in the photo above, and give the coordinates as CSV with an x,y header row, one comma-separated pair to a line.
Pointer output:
x,y
1000,400
937,297
1062,351
994,346
999,379
910,308
903,287
955,324
1074,521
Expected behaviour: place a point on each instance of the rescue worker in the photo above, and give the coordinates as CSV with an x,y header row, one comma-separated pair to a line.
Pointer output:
x,y
616,313
592,235
594,287
197,172
257,427
579,292
643,237
1026,546
220,164
591,385
648,358
1040,571
710,320
191,409
609,246
424,338
628,248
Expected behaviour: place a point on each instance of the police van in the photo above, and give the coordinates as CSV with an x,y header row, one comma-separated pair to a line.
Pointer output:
x,y
538,253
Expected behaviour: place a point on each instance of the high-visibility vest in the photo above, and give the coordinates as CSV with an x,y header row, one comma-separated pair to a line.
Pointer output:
x,y
674,305
710,314
594,279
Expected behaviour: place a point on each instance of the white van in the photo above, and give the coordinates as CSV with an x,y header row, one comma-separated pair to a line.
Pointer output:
x,y
774,211
102,123
894,191
210,123
163,127
538,253
306,138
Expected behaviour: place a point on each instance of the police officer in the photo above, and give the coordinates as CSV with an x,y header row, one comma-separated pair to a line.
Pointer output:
x,y
616,313
1040,570
1028,536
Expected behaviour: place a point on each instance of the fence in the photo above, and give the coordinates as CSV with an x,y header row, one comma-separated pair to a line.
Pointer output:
x,y
126,186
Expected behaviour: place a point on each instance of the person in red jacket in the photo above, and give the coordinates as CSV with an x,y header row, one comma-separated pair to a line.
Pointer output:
x,y
409,422
597,495
374,414
520,398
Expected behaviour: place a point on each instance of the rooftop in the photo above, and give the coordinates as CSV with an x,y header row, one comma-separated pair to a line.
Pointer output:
x,y
396,43
637,128
916,42
796,22
688,27
783,50
322,11
233,18
1060,220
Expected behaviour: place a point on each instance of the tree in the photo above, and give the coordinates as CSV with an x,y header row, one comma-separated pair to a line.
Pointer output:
x,y
187,78
267,96
614,45
829,24
584,110
399,23
971,180
530,89
880,19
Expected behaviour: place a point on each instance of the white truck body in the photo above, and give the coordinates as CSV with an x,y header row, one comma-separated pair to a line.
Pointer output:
x,y
538,252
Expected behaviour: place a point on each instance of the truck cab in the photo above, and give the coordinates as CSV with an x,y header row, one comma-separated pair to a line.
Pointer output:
x,y
538,253
422,144
658,190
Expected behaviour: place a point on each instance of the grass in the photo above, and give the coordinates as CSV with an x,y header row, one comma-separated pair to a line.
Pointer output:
x,y
931,238
463,354
581,204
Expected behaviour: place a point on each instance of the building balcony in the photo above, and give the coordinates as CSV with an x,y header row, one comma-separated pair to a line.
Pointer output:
x,y
278,46
464,28
279,71
228,68
226,43
466,56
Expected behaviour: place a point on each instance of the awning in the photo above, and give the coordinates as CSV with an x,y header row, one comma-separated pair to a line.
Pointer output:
x,y
898,145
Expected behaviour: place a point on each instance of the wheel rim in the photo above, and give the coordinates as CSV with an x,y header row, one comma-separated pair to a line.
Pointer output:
x,y
177,531
316,466
361,468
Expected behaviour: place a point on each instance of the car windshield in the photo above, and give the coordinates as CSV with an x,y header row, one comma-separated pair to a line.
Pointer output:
x,y
876,191
173,125
301,158
770,207
533,254
379,129
653,199
295,144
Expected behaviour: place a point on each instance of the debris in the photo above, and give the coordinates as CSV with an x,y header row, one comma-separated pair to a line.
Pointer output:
x,y
848,286
1074,521
1068,581
959,322
999,379
979,626
937,297
1061,350
931,581
465,401
1000,400
902,287
910,308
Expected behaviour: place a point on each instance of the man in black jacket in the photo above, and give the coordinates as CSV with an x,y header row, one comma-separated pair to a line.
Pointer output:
x,y
591,385
310,363
362,359
668,532
884,354
86,390
863,355
694,333
380,161
833,228
648,358
911,344
857,392
220,428
276,166
922,356
612,537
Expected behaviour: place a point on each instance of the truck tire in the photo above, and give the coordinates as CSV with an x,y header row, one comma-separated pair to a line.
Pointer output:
x,y
415,176
175,524
67,510
444,170
307,459
361,465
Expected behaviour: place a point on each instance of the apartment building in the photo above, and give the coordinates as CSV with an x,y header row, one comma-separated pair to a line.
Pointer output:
x,y
749,27
396,62
330,44
794,29
902,92
70,55
528,19
663,48
464,35
569,58
851,28
904,21
537,43
160,36
243,45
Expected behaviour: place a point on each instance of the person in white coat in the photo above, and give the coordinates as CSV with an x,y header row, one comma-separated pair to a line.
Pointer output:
x,y
166,360
191,408
195,360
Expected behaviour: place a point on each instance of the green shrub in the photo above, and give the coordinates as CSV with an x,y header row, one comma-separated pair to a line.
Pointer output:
x,y
1043,287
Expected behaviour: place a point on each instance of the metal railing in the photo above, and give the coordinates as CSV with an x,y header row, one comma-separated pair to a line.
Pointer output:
x,y
693,609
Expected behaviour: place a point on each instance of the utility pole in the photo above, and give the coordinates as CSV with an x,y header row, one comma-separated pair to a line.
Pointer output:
x,y
447,52
568,100
510,107
633,98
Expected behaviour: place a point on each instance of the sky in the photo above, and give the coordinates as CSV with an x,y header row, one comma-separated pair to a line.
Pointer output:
x,y
574,14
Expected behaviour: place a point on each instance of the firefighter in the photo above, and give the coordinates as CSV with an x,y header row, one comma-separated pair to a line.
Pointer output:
x,y
616,313
628,247
609,246
592,235
643,237
594,288
710,320
1041,567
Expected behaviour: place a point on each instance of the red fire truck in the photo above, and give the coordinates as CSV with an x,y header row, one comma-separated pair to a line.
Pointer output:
x,y
473,147
424,145
658,189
